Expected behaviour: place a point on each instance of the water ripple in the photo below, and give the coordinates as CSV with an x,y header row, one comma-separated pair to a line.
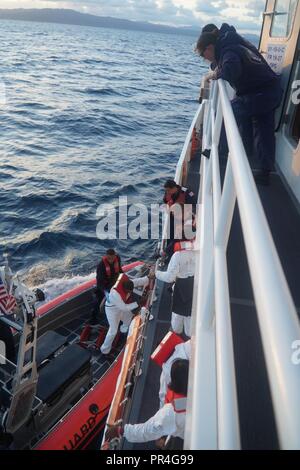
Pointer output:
x,y
92,115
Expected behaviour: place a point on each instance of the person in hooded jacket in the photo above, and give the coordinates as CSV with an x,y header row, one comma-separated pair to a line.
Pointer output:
x,y
245,125
258,90
229,32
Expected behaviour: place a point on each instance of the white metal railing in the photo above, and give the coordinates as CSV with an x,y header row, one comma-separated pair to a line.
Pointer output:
x,y
212,417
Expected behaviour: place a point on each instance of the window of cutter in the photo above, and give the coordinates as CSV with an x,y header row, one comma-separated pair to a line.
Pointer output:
x,y
283,18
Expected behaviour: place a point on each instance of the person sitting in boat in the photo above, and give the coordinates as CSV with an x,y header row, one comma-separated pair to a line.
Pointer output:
x,y
258,90
169,421
181,270
108,271
181,351
119,306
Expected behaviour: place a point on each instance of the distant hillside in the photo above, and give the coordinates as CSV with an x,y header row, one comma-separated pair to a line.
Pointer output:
x,y
52,15
62,16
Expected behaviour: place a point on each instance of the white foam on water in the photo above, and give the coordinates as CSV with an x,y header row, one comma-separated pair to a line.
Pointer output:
x,y
55,287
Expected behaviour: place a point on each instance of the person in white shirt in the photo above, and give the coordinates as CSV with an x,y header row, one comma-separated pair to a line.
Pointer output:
x,y
119,307
181,270
169,420
181,351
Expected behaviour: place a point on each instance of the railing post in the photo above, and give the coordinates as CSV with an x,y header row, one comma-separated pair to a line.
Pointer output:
x,y
228,419
227,205
201,421
216,124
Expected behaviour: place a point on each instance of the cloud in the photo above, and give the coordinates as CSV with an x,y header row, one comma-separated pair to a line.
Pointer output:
x,y
241,13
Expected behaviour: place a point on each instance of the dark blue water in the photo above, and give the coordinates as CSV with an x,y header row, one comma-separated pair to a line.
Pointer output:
x,y
92,114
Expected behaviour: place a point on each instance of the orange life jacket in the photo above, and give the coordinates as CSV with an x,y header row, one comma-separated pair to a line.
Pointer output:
x,y
177,400
125,296
108,269
180,200
166,348
187,245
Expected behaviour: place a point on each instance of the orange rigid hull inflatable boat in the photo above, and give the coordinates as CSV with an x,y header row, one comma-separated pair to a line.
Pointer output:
x,y
76,383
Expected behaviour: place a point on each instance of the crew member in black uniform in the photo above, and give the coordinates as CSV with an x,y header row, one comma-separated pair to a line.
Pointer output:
x,y
245,126
108,271
258,90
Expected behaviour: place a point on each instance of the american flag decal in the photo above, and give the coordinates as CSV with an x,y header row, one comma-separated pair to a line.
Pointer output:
x,y
7,301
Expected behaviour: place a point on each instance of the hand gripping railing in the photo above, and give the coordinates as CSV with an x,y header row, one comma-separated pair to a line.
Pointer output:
x,y
212,417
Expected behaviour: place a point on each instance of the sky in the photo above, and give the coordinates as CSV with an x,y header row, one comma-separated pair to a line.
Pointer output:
x,y
246,15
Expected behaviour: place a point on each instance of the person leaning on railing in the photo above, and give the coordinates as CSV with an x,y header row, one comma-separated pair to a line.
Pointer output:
x,y
258,90
169,421
245,127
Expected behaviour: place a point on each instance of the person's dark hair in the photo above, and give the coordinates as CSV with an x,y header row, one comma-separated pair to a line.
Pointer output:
x,y
209,28
128,286
110,252
170,184
205,40
179,376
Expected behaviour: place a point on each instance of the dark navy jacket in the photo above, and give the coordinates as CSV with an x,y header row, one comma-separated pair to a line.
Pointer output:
x,y
240,63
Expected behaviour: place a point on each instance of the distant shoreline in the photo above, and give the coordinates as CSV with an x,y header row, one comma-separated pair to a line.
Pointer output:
x,y
72,17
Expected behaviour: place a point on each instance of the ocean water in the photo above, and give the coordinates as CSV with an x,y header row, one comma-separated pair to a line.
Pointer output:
x,y
91,114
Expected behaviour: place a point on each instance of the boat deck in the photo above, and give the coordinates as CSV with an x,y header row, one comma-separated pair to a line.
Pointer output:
x,y
257,423
258,430
100,363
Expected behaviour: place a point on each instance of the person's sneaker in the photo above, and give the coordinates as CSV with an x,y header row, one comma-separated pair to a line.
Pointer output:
x,y
106,353
263,178
124,329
